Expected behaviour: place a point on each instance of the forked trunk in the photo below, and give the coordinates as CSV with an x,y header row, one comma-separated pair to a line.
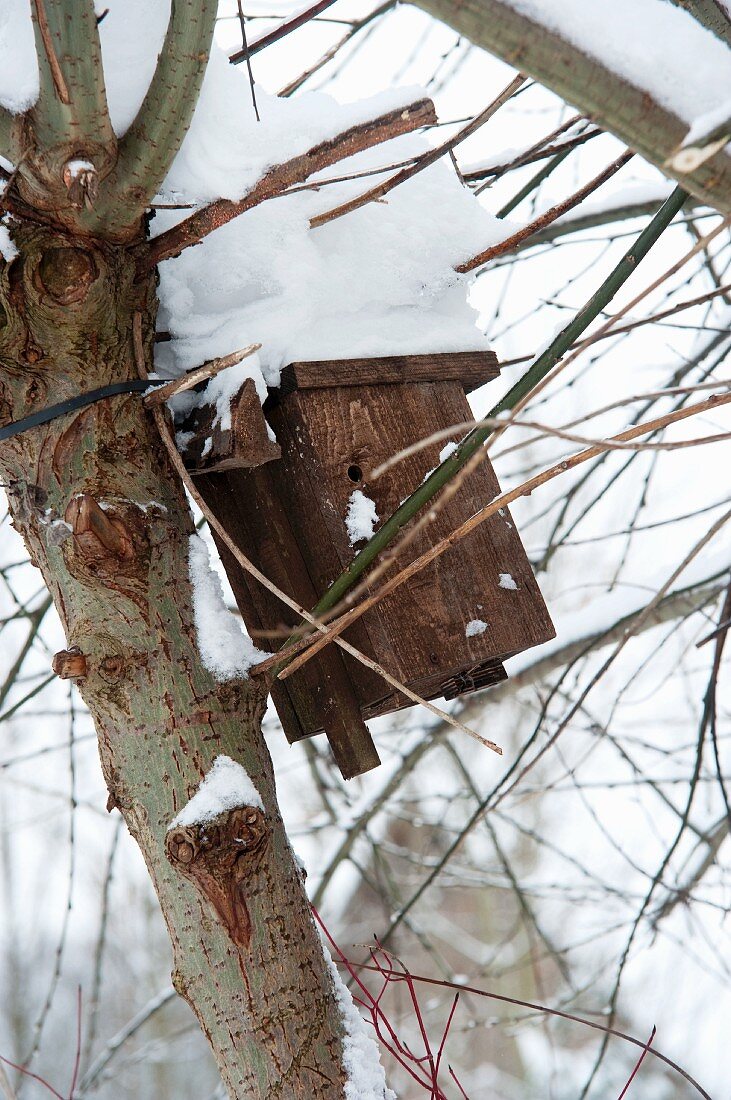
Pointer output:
x,y
105,519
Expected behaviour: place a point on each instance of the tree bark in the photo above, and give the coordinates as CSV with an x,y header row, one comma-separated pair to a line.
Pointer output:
x,y
615,104
105,519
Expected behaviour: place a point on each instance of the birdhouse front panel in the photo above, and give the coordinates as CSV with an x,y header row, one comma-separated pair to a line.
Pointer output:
x,y
448,628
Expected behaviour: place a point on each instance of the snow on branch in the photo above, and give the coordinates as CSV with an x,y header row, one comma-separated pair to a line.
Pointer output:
x,y
642,69
362,136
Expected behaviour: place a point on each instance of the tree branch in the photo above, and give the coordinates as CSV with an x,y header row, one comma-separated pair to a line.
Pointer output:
x,y
281,176
679,604
512,243
11,127
154,138
626,110
594,219
70,121
429,158
711,14
282,29
473,442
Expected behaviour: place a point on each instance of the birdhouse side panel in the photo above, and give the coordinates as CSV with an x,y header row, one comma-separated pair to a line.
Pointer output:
x,y
321,695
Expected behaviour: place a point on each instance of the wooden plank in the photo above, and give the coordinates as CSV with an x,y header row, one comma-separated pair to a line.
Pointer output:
x,y
304,505
471,368
419,633
247,502
209,448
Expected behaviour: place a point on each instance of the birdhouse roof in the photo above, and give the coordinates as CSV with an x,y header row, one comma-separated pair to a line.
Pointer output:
x,y
471,368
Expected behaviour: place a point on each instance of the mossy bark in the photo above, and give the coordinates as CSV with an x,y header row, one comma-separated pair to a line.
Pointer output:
x,y
106,521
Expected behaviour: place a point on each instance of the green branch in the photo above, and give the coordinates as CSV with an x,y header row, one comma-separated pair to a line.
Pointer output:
x,y
70,118
11,128
482,432
626,110
711,14
154,138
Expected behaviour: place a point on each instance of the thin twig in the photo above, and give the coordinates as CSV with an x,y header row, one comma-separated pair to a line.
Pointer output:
x,y
501,501
376,193
247,57
291,23
187,381
549,216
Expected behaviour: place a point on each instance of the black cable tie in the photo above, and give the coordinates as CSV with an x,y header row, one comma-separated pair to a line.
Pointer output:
x,y
137,385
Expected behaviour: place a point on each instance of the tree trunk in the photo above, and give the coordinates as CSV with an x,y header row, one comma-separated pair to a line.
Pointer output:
x,y
105,519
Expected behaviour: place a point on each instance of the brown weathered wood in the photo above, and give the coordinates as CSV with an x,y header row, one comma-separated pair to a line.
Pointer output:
x,y
418,634
471,368
209,448
335,422
249,503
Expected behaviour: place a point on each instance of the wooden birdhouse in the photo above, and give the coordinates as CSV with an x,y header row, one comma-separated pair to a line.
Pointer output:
x,y
444,632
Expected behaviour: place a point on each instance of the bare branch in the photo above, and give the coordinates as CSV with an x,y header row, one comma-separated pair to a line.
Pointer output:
x,y
294,85
510,244
381,189
292,23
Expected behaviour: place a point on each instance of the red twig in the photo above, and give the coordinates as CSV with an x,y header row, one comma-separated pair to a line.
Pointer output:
x,y
378,1018
453,1075
453,1009
640,1060
77,1059
33,1076
413,1065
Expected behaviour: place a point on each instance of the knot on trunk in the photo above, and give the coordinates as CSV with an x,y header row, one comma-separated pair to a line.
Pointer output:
x,y
219,857
70,664
110,544
97,535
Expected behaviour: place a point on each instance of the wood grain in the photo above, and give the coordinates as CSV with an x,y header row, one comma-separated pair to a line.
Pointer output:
x,y
471,368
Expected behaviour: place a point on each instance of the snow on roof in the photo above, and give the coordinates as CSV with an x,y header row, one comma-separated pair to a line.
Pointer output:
x,y
378,281
226,787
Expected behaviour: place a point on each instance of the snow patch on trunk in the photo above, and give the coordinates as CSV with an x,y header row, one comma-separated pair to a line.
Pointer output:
x,y
224,648
226,787
366,1079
